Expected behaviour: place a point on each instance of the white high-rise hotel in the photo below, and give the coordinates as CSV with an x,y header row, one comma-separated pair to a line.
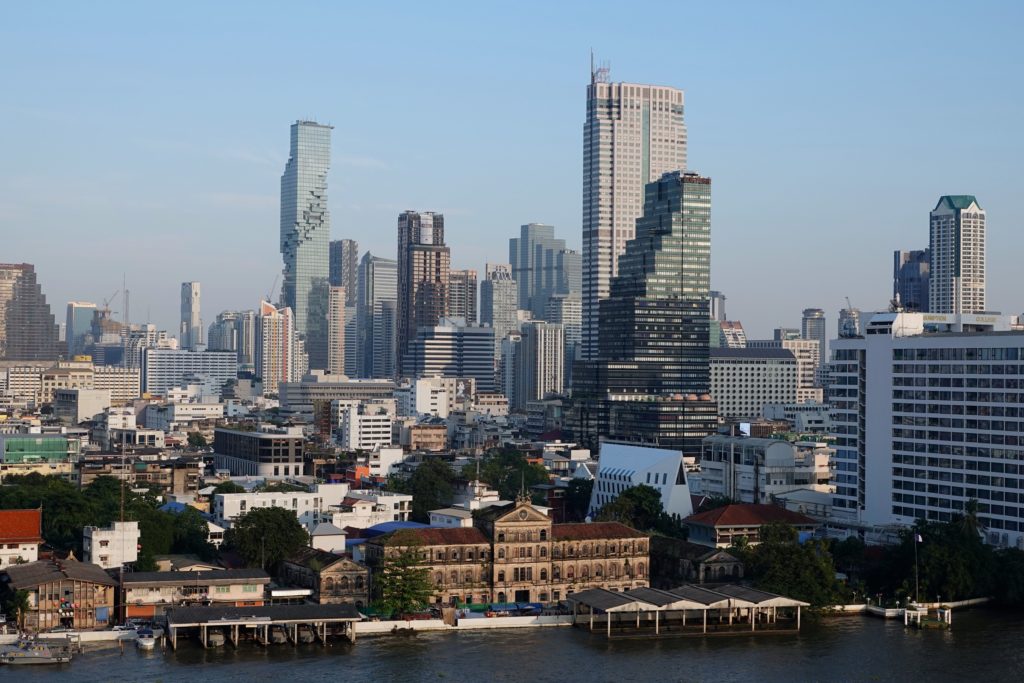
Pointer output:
x,y
633,134
956,283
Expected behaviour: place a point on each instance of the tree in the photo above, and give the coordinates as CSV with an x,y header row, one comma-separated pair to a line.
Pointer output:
x,y
577,498
196,440
266,536
430,486
228,487
402,584
17,603
640,507
781,564
508,471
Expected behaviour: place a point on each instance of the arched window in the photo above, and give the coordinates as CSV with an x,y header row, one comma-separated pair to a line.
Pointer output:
x,y
343,583
329,584
501,537
572,550
640,569
359,583
501,577
438,578
570,572
501,553
469,577
501,597
584,572
556,572
597,571
543,574
543,551
543,534
455,577
556,551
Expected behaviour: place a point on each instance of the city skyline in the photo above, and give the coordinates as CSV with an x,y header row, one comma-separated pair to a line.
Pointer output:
x,y
801,123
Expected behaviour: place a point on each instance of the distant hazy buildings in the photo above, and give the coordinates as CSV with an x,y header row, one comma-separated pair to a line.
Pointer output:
x,y
499,301
633,134
539,363
849,323
377,320
542,267
812,326
336,331
78,327
190,331
28,330
717,301
462,288
234,331
165,369
731,334
305,234
910,272
343,268
452,349
423,265
744,380
956,282
808,359
567,310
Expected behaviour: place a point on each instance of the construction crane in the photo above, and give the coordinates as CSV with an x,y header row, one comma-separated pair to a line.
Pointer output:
x,y
110,300
270,294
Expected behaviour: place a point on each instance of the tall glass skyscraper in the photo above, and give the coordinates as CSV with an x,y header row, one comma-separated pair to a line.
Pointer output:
x,y
306,234
28,330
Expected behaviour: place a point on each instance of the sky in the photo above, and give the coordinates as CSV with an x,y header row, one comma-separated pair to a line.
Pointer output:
x,y
148,142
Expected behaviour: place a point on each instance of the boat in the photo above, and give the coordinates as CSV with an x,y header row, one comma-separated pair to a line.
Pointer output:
x,y
305,634
215,638
146,640
27,651
277,635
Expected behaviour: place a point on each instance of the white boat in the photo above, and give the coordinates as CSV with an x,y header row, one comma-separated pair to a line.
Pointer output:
x,y
145,640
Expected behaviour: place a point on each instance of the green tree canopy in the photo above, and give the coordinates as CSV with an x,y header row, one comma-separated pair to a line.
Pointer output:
x,y
228,487
196,440
640,507
508,471
430,486
402,585
577,498
781,564
265,536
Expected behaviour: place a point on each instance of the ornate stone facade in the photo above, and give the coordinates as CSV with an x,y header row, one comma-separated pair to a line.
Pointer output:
x,y
334,579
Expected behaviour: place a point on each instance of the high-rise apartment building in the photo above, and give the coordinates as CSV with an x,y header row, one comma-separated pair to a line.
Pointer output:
x,y
28,330
539,363
279,354
336,331
812,326
542,267
423,265
344,268
462,295
234,331
166,369
910,271
452,349
306,234
633,134
499,297
377,320
78,326
190,331
651,383
731,335
956,281
567,310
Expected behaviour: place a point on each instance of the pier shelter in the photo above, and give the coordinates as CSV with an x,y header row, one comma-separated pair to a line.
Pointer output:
x,y
255,623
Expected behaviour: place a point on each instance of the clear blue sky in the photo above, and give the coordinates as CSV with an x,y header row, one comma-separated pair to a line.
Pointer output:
x,y
151,141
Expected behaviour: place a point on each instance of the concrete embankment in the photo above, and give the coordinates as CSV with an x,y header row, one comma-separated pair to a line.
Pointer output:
x,y
897,612
369,628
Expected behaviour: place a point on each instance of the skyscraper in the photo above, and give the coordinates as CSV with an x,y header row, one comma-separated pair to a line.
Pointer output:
x,y
423,265
344,267
567,310
462,295
910,270
539,363
452,349
499,301
812,327
78,326
542,267
28,330
336,331
190,332
633,134
849,323
718,306
305,234
956,282
651,382
376,317
223,332
279,353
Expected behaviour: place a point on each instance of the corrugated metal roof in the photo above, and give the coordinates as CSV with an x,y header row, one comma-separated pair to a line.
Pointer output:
x,y
179,616
35,574
206,577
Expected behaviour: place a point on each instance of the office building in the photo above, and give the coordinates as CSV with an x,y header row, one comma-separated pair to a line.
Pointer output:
x,y
234,331
364,427
567,310
299,397
956,278
166,369
812,326
423,265
377,302
462,295
78,327
744,380
910,273
499,298
28,330
279,354
336,331
305,235
343,268
808,359
928,413
453,349
753,470
622,466
190,331
539,363
651,383
267,452
633,135
731,334
542,267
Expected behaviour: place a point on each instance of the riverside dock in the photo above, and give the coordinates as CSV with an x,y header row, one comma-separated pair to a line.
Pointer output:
x,y
255,623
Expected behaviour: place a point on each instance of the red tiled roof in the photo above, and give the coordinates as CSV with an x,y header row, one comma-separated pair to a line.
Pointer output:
x,y
21,526
429,536
748,514
593,531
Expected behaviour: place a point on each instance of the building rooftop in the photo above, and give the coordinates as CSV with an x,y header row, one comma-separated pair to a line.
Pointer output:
x,y
593,531
21,526
434,536
218,576
748,514
957,201
769,353
32,574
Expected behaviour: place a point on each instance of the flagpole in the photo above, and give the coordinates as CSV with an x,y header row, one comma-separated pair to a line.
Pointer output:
x,y
917,590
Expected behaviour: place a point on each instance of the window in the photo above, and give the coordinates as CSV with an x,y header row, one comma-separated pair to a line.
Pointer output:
x,y
543,534
501,576
543,574
543,552
223,589
501,553
359,583
250,588
343,583
438,578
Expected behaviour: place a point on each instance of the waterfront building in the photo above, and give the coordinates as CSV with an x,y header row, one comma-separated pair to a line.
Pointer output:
x,y
306,234
633,134
78,327
910,273
28,330
452,349
148,595
190,331
21,533
956,277
111,547
165,369
744,380
333,579
808,359
651,383
462,295
423,265
265,452
622,466
62,594
343,268
928,410
377,320
728,525
499,302
751,470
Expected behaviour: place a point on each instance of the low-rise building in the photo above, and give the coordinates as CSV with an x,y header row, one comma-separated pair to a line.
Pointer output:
x,y
45,454
62,594
725,526
150,594
21,533
75,406
362,509
263,452
425,436
180,475
334,579
364,427
111,547
751,470
808,417
310,507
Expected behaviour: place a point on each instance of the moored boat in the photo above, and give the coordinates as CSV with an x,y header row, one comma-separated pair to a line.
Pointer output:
x,y
145,640
27,651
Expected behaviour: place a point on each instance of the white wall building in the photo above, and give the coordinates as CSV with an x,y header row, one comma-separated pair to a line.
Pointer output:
x,y
113,546
744,380
956,281
808,359
805,417
752,470
622,466
191,328
364,427
363,509
309,507
164,369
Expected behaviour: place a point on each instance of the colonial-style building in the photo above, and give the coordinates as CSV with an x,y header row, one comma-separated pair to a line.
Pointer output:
x,y
63,593
725,526
514,553
675,561
334,579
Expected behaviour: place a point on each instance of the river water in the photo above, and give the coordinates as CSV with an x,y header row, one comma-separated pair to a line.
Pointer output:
x,y
983,645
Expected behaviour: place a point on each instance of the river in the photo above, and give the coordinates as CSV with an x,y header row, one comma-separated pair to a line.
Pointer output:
x,y
982,645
